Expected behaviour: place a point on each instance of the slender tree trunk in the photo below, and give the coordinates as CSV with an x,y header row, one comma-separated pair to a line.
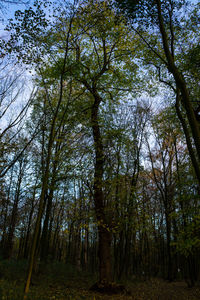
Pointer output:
x,y
39,216
44,238
28,232
5,212
169,256
48,160
9,242
86,247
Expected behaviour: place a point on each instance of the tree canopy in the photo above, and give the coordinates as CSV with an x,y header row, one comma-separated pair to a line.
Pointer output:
x,y
100,167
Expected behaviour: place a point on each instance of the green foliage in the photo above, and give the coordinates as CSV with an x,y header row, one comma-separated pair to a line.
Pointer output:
x,y
145,11
188,240
26,33
96,51
11,290
12,279
12,269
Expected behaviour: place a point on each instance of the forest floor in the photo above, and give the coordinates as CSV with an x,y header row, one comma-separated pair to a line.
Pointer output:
x,y
61,282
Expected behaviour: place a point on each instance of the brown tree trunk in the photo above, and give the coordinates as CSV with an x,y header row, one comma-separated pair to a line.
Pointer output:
x,y
105,237
27,238
9,241
5,212
44,237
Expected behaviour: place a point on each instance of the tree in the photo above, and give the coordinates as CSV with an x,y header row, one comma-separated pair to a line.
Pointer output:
x,y
51,139
165,16
99,74
90,192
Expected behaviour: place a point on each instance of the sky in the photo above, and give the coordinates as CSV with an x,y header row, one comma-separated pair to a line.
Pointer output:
x,y
7,11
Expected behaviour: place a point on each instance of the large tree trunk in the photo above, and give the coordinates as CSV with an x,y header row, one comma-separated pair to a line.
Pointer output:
x,y
105,236
104,255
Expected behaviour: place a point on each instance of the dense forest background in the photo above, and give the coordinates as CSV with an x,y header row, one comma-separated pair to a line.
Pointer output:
x,y
100,141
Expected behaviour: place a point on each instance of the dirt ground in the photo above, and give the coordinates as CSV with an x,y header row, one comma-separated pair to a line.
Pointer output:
x,y
155,289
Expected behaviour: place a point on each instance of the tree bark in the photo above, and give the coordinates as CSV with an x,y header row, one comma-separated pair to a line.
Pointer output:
x,y
105,237
9,241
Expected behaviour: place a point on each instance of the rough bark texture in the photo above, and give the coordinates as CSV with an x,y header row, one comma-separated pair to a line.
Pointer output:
x,y
105,236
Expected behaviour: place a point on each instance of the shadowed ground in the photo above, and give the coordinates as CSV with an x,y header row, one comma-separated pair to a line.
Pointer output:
x,y
59,281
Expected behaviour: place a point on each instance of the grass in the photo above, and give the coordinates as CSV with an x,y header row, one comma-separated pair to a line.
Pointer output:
x,y
58,281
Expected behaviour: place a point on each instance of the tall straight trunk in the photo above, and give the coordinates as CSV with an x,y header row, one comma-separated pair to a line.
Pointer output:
x,y
45,231
129,235
78,249
9,242
26,244
121,251
39,215
86,247
169,256
69,243
44,237
5,212
58,222
105,237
